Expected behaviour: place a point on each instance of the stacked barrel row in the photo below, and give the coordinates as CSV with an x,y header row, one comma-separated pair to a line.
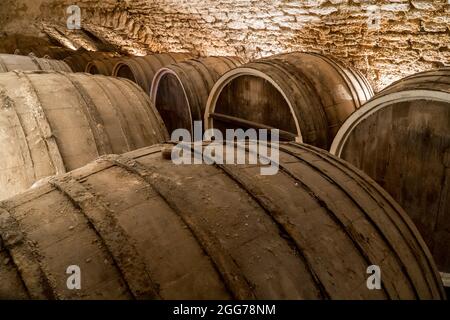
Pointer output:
x,y
185,89
146,228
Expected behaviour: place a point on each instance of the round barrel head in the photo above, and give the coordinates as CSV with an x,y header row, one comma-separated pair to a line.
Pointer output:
x,y
401,138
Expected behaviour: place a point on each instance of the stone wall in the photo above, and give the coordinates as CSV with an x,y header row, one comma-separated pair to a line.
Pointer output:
x,y
386,40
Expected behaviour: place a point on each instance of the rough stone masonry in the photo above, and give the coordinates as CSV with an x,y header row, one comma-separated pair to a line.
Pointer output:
x,y
386,40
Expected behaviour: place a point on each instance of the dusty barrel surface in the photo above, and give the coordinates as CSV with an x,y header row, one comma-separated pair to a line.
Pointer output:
x,y
102,66
145,228
401,138
142,70
51,52
180,91
53,122
306,96
79,60
47,52
10,62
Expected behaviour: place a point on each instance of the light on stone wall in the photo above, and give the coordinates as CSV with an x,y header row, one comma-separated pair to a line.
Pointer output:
x,y
136,52
53,33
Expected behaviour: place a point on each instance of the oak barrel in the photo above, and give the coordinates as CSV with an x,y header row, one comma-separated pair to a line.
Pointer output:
x,y
102,66
50,52
53,122
140,227
142,70
24,45
401,138
10,62
306,96
79,60
47,52
180,91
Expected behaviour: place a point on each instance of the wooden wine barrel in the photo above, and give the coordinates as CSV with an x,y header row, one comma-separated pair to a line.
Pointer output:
x,y
140,227
10,62
52,52
401,138
180,91
142,70
21,44
51,123
103,66
306,96
80,60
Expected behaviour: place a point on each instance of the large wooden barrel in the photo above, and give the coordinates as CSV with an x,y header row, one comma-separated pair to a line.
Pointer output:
x,y
140,227
10,62
45,52
306,96
180,91
142,70
51,52
51,123
401,138
21,44
80,60
102,66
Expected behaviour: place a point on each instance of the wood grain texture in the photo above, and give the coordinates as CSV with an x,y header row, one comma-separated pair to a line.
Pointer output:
x,y
80,59
180,91
142,70
51,123
102,66
11,62
141,227
401,138
306,94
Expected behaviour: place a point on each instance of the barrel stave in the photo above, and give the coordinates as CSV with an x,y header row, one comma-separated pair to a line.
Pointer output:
x,y
79,60
400,138
308,232
142,70
11,62
314,91
42,136
180,91
104,66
